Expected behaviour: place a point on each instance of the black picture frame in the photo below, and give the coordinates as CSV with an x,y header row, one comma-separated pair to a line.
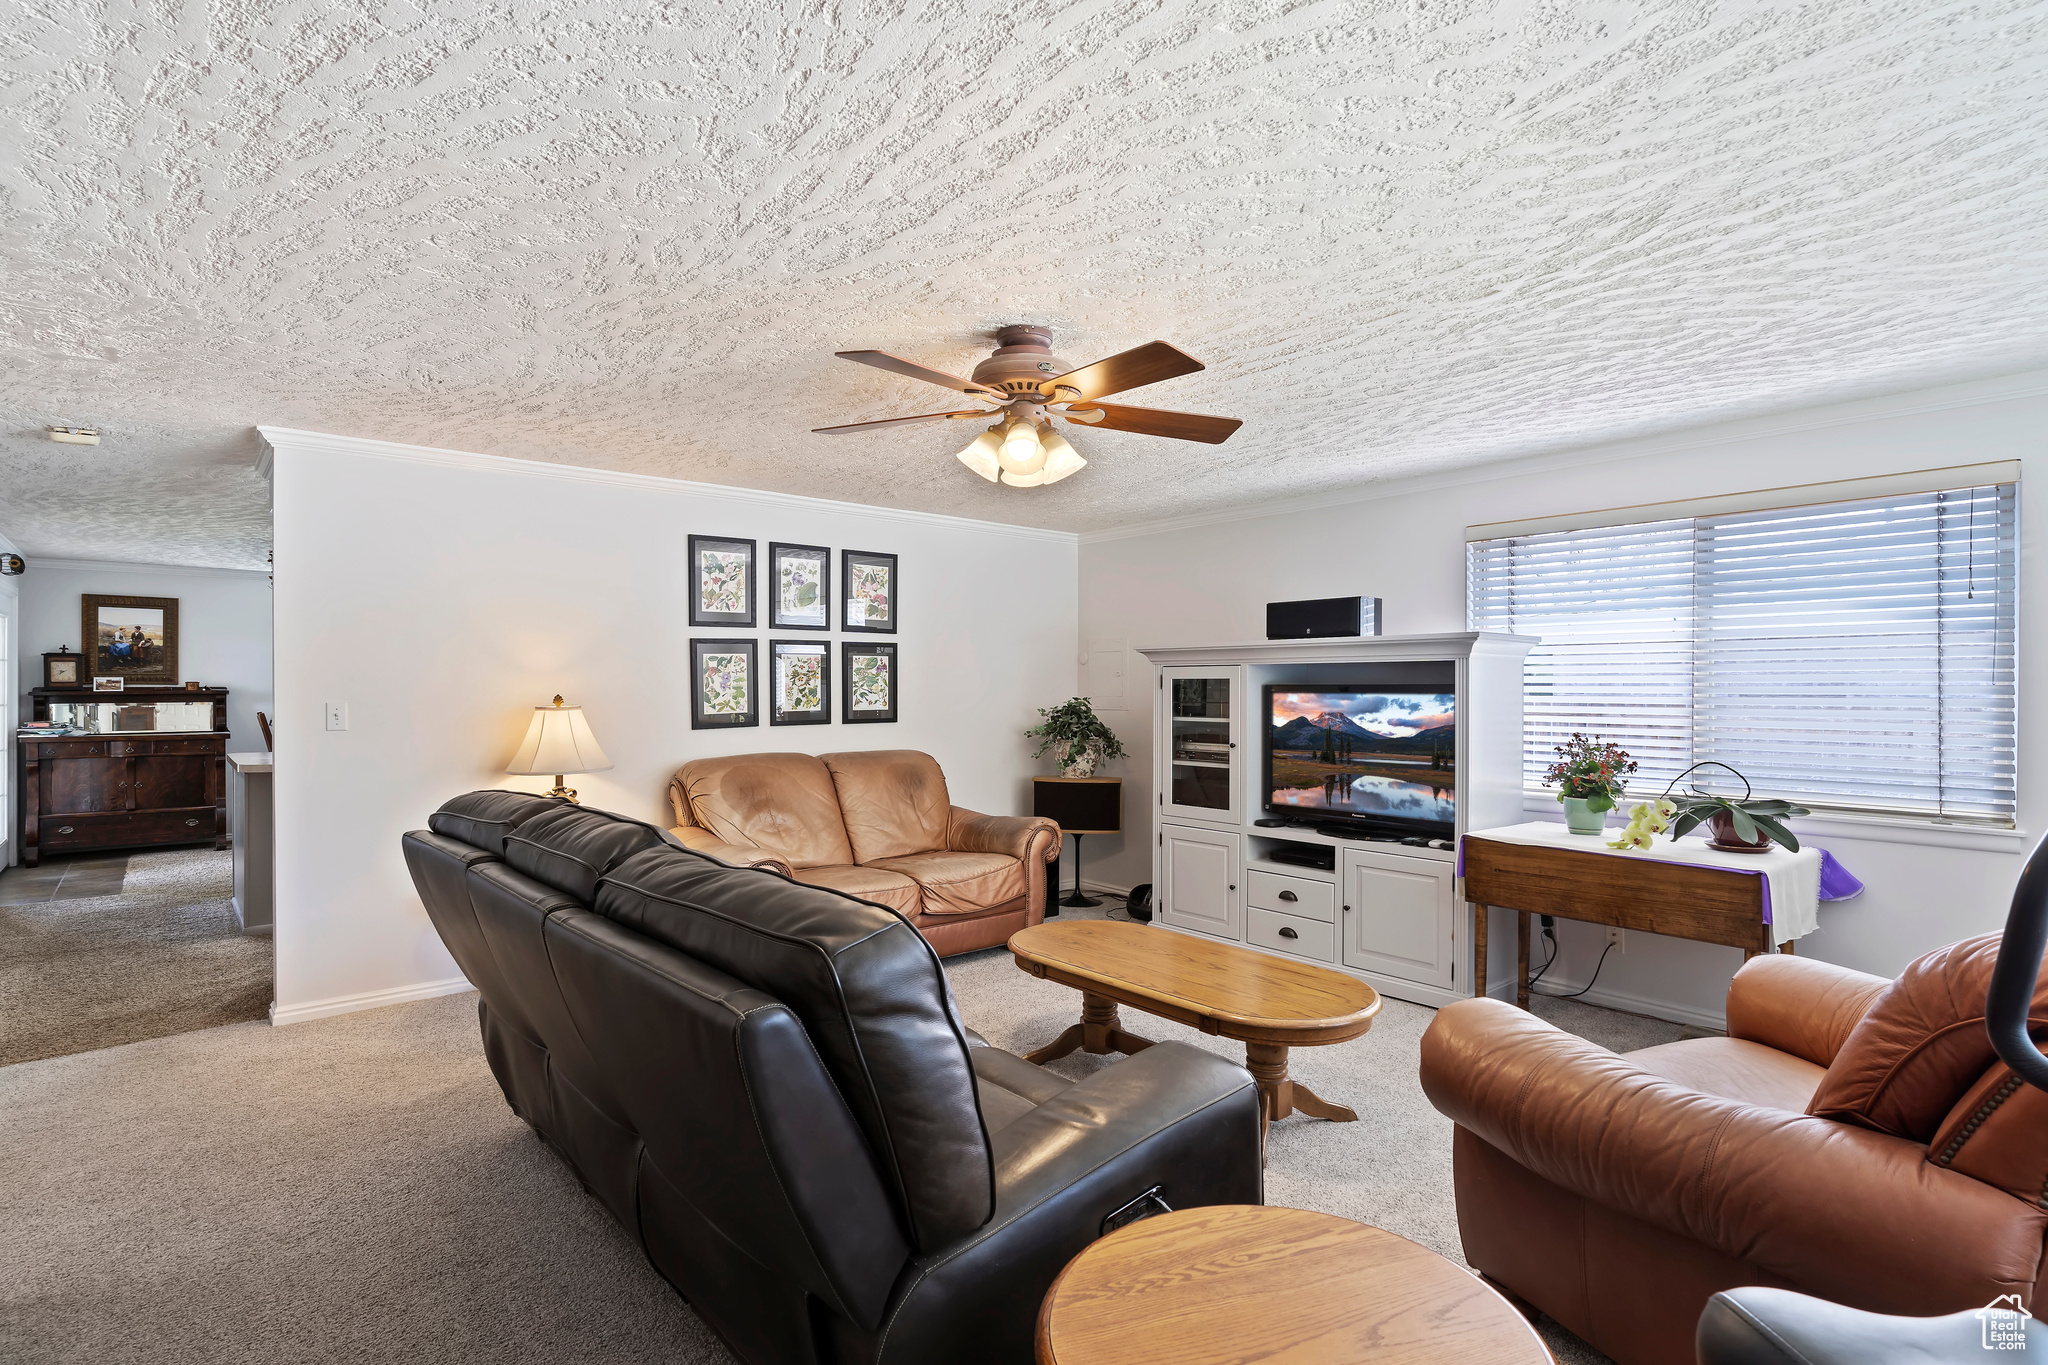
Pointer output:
x,y
701,697
721,545
779,650
778,618
851,655
855,566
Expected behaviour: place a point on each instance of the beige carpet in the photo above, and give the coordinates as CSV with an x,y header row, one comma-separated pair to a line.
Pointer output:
x,y
355,1189
153,953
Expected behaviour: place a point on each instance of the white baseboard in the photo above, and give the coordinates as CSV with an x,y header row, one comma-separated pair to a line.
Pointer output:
x,y
1650,1005
368,1000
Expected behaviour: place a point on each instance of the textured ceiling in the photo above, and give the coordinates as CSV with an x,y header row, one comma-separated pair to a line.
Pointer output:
x,y
1405,235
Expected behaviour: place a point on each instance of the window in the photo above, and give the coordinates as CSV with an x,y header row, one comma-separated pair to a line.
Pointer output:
x,y
1856,656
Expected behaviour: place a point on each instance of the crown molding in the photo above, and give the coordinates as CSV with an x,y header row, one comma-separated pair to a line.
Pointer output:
x,y
45,562
323,443
1975,393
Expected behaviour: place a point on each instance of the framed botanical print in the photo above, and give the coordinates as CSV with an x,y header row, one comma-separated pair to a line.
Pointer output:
x,y
722,694
800,671
133,638
721,582
800,577
869,685
870,592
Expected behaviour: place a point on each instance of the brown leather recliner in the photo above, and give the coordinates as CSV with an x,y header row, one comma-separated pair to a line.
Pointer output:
x,y
1851,1138
878,825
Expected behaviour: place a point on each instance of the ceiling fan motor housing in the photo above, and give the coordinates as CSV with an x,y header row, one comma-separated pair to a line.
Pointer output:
x,y
1023,360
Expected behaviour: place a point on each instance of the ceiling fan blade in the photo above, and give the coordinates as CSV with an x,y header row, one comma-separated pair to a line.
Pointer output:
x,y
1182,426
900,421
1132,369
910,369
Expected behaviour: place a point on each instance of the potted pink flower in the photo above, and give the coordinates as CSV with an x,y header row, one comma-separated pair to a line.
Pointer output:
x,y
1591,776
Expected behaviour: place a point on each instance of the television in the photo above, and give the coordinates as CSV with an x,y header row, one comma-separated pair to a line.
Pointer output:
x,y
1373,760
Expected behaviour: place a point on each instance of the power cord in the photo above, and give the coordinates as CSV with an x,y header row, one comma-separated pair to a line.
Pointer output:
x,y
1573,995
1550,942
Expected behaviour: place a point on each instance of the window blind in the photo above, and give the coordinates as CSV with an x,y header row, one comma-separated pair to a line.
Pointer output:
x,y
1855,656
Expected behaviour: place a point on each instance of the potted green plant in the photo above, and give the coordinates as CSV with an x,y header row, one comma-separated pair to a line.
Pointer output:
x,y
1739,825
1076,736
1590,776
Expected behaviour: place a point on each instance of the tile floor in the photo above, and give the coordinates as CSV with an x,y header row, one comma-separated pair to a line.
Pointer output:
x,y
64,878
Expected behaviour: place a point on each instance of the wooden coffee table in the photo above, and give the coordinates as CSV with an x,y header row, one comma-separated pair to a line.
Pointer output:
x,y
1267,1003
1234,1284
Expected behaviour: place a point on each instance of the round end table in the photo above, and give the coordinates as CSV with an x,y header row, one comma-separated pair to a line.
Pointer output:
x,y
1242,1283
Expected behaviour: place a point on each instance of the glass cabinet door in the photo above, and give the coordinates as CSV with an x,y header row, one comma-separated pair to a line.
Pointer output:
x,y
1203,708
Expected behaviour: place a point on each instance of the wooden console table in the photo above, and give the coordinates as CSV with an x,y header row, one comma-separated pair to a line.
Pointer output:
x,y
1705,904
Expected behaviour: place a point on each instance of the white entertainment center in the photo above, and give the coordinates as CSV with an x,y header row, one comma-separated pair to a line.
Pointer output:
x,y
1388,912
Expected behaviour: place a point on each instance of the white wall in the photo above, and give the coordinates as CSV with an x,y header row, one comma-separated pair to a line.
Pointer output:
x,y
223,625
442,596
1207,582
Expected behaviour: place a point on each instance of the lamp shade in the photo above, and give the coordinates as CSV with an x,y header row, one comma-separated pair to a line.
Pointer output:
x,y
559,742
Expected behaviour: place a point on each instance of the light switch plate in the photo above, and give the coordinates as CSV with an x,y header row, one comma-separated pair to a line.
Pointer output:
x,y
337,715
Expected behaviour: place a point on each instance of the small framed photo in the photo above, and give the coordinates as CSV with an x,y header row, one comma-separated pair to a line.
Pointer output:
x,y
722,685
870,592
869,684
110,684
800,577
61,669
721,582
800,671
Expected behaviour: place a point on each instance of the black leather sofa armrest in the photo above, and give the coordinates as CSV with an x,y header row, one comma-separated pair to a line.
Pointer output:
x,y
1173,1116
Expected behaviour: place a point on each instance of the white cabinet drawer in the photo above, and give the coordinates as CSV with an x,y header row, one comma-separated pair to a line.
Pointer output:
x,y
1290,934
1293,896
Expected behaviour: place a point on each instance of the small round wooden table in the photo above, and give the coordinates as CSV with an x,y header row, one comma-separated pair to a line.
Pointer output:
x,y
1242,1283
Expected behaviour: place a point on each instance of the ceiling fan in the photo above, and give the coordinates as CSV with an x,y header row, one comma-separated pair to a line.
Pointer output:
x,y
1026,386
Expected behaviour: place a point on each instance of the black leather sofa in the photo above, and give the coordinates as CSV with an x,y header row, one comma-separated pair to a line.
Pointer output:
x,y
769,1087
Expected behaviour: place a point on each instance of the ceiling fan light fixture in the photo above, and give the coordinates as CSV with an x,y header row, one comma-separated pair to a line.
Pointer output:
x,y
1023,449
980,454
1061,459
1032,480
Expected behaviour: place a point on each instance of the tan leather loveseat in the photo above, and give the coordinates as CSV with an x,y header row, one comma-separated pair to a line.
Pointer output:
x,y
1851,1138
877,825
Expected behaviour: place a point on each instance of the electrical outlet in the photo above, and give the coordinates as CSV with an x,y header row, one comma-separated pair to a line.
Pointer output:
x,y
1617,940
337,715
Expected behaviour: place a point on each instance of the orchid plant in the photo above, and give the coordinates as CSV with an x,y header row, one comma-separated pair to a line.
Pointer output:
x,y
1748,818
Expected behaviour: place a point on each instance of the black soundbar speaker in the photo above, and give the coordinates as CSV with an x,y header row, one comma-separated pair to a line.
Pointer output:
x,y
1322,618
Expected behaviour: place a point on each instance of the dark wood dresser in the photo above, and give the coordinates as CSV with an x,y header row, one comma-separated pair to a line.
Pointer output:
x,y
122,790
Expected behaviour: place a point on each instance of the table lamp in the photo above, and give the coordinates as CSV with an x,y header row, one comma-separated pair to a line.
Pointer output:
x,y
558,742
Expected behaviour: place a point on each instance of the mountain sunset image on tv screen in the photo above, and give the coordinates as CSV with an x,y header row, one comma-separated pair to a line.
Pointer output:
x,y
1388,754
